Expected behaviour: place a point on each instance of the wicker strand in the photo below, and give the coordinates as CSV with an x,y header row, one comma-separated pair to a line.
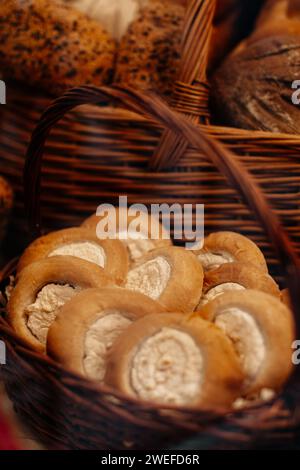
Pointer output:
x,y
154,108
192,81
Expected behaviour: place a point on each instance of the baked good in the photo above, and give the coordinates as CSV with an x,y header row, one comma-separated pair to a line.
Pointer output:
x,y
149,52
262,331
171,275
262,100
236,276
286,298
52,45
171,359
42,288
87,327
82,243
228,247
140,233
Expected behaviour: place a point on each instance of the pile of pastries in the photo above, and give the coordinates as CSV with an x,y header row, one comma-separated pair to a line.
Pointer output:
x,y
154,321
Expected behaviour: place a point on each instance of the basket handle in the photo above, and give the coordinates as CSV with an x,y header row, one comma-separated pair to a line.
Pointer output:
x,y
191,90
154,108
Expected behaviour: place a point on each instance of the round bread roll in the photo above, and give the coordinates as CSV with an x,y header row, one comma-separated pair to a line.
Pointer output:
x,y
87,327
171,359
262,100
236,276
42,288
228,247
52,45
262,331
170,275
81,243
140,233
149,53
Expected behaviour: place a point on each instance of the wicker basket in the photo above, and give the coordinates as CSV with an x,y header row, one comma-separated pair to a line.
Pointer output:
x,y
99,152
67,411
96,153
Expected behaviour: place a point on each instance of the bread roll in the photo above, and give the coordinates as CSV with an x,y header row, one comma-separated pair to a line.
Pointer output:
x,y
228,247
171,359
140,234
263,99
262,331
42,288
149,52
88,326
52,45
81,243
236,276
172,276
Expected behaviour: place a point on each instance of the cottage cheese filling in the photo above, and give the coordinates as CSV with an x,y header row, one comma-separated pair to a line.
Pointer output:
x,y
88,251
219,290
150,278
167,367
213,260
43,311
98,341
247,339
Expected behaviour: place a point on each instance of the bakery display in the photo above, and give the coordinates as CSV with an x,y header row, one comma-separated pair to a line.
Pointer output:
x,y
87,327
262,100
227,247
81,243
236,276
170,275
262,331
42,288
140,233
54,46
174,360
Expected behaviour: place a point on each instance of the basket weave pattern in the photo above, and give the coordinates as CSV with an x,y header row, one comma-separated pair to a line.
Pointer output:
x,y
99,152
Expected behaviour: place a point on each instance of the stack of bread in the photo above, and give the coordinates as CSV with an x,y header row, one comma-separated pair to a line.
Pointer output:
x,y
155,321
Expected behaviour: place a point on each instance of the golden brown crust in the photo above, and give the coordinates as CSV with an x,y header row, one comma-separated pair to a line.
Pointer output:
x,y
241,248
52,45
245,275
275,323
116,257
162,240
286,299
184,288
66,336
222,374
149,53
56,270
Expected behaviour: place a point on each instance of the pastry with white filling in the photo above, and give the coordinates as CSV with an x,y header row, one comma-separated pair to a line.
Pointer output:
x,y
286,298
236,276
81,243
228,247
261,329
172,275
45,286
140,233
175,360
87,327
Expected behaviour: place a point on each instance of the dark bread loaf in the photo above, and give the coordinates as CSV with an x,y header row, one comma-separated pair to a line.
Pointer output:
x,y
52,45
253,87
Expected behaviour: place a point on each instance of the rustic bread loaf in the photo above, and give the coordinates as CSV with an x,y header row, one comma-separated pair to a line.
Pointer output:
x,y
52,45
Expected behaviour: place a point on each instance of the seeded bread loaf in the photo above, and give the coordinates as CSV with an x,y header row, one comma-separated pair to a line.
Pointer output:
x,y
53,45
